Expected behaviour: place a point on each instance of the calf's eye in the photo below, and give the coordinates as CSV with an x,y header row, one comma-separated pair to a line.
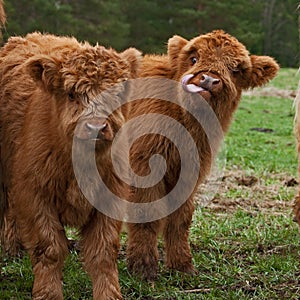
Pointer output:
x,y
71,96
194,60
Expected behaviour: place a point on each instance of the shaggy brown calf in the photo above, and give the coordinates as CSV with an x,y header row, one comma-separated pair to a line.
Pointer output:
x,y
217,67
48,85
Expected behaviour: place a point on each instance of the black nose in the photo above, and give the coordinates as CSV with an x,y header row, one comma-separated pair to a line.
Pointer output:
x,y
209,82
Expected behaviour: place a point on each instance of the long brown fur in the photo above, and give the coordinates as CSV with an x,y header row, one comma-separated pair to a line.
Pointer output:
x,y
2,192
47,82
2,16
223,57
297,135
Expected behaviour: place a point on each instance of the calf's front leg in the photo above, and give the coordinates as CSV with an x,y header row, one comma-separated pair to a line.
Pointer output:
x,y
44,238
100,246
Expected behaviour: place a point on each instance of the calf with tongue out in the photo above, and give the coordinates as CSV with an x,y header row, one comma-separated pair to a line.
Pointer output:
x,y
217,67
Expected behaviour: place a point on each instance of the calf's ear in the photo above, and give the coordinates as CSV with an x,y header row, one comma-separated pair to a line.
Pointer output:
x,y
44,70
175,44
134,57
264,68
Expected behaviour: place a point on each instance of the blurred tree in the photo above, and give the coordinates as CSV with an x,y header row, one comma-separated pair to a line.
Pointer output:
x,y
25,16
93,20
280,31
240,18
101,21
153,22
264,26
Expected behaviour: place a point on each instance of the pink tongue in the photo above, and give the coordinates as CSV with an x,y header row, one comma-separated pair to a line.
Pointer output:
x,y
191,88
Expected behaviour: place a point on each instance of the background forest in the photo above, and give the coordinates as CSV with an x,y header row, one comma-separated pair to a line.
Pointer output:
x,y
264,26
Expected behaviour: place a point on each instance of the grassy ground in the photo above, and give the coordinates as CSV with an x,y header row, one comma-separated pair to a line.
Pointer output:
x,y
244,242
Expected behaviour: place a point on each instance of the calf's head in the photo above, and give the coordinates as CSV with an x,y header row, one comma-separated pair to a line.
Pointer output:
x,y
218,67
70,84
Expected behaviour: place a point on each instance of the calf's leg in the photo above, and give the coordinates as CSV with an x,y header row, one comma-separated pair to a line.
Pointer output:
x,y
100,246
44,238
176,234
142,253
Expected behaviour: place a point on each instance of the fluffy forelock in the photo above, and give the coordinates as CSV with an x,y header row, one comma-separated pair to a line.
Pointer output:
x,y
93,69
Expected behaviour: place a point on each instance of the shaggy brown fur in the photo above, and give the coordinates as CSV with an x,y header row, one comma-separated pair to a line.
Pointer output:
x,y
47,83
2,194
2,16
232,69
297,135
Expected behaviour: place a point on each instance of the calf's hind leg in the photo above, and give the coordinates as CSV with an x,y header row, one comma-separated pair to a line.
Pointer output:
x,y
142,253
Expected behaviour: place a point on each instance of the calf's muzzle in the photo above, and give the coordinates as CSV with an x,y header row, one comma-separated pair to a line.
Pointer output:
x,y
209,83
94,129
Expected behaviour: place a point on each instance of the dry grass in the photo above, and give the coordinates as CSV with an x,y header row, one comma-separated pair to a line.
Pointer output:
x,y
270,194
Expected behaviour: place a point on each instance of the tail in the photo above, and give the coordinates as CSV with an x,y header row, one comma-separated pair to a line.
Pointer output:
x,y
2,17
2,14
3,206
4,219
3,202
9,238
297,135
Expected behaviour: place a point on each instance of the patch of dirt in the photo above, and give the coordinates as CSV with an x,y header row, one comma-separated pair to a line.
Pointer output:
x,y
271,92
272,193
264,130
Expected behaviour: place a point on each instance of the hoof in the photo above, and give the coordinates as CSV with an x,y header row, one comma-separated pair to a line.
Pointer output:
x,y
146,271
186,268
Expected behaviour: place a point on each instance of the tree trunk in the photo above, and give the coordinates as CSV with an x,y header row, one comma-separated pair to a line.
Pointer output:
x,y
268,25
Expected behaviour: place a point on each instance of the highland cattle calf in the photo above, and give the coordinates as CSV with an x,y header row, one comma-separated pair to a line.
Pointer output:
x,y
216,67
49,86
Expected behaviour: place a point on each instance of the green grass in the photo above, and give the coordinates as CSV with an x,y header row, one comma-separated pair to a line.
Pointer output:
x,y
262,151
272,151
288,79
237,256
241,253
